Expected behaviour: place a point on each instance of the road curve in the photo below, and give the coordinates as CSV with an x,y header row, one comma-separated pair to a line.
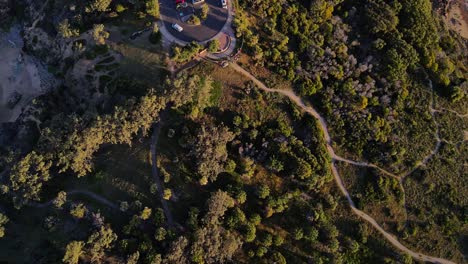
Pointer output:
x,y
323,127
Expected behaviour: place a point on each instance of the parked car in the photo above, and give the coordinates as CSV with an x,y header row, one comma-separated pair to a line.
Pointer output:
x,y
197,1
179,2
224,3
177,27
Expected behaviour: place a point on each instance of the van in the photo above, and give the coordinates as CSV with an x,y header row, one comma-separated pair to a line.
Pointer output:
x,y
177,27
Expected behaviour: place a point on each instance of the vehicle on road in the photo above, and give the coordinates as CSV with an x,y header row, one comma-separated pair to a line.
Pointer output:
x,y
177,27
197,1
224,3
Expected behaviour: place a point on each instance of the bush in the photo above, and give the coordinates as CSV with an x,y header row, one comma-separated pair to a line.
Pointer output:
x,y
152,8
120,8
213,45
204,11
186,53
194,20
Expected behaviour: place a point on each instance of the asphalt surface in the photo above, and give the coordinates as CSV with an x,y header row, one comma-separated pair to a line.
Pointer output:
x,y
212,25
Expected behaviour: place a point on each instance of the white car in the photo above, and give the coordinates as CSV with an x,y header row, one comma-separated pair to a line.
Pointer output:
x,y
197,1
224,3
177,27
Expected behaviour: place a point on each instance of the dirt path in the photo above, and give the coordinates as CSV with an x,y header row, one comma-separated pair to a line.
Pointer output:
x,y
155,172
323,127
90,194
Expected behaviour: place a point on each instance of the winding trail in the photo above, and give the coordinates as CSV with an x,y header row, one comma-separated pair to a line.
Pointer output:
x,y
323,127
155,172
90,194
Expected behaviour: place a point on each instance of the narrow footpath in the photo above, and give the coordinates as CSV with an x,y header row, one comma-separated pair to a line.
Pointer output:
x,y
323,127
155,172
87,193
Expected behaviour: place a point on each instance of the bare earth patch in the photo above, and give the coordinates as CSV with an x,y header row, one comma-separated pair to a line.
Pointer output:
x,y
20,76
457,17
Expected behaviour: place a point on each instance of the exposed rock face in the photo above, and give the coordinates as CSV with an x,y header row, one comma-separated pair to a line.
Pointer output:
x,y
4,9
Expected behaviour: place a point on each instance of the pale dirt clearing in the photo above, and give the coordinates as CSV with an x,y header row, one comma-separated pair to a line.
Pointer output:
x,y
457,17
20,76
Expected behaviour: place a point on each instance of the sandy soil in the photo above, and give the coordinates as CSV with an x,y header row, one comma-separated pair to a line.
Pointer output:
x,y
457,17
19,74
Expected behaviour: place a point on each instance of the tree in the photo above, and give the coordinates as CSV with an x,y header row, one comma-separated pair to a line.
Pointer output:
x,y
133,258
27,177
152,8
3,220
160,234
99,34
213,45
209,149
263,191
381,16
204,11
278,240
177,252
98,6
100,241
194,20
120,8
217,205
187,52
73,252
65,31
155,35
78,210
60,200
274,164
167,194
146,213
124,206
298,234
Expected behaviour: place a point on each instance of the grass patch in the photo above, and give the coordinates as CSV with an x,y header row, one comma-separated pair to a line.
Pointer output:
x,y
216,93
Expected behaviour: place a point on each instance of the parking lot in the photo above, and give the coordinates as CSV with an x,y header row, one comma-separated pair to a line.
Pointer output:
x,y
217,17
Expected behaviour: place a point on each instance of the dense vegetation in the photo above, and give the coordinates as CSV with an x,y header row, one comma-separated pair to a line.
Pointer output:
x,y
244,175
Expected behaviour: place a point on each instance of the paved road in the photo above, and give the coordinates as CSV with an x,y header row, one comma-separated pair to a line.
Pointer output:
x,y
210,27
323,127
155,172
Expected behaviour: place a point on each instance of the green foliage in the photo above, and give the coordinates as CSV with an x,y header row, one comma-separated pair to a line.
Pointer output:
x,y
60,200
152,8
73,252
119,8
209,150
145,214
263,191
98,6
3,220
167,194
65,31
99,34
213,45
186,53
160,234
78,210
99,242
204,11
27,177
194,20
